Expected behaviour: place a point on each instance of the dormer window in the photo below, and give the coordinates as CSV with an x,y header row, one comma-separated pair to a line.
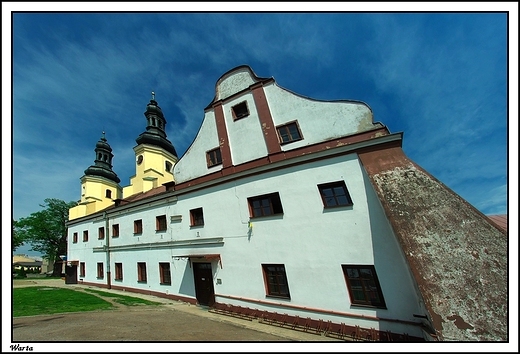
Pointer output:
x,y
240,110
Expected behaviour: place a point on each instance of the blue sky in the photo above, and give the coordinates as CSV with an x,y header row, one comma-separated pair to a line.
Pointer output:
x,y
441,78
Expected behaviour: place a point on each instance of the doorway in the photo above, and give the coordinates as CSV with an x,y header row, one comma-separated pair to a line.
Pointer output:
x,y
204,290
71,274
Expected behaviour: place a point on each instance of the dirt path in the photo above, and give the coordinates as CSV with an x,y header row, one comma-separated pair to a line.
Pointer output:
x,y
170,322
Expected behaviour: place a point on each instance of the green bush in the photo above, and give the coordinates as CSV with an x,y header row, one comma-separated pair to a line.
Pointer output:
x,y
20,273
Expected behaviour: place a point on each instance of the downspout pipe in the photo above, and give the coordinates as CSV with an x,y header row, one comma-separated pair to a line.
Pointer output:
x,y
107,249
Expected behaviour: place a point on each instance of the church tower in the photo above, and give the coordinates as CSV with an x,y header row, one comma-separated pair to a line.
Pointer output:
x,y
155,155
100,185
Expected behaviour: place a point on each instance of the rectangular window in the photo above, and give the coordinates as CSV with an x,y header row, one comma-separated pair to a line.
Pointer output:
x,y
240,110
334,194
138,226
214,157
160,223
75,237
196,217
100,272
82,269
363,285
276,280
288,133
85,236
141,271
101,233
115,230
164,270
119,271
265,205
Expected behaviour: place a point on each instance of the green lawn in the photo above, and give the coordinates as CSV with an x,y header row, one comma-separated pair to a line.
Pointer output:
x,y
122,299
42,300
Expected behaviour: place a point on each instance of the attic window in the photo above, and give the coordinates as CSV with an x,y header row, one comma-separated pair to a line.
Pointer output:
x,y
240,110
289,132
214,157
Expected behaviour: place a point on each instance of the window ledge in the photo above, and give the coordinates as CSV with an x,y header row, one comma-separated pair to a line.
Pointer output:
x,y
266,217
369,306
142,281
292,141
278,297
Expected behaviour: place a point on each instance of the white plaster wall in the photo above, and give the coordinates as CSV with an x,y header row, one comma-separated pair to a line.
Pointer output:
x,y
311,242
193,163
246,137
233,83
318,120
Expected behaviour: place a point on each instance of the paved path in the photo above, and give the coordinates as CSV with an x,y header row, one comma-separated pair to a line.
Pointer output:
x,y
173,321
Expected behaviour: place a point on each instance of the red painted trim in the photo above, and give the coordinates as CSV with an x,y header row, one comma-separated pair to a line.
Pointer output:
x,y
223,138
284,155
266,120
313,309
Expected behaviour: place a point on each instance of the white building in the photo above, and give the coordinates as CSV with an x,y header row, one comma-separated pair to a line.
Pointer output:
x,y
302,211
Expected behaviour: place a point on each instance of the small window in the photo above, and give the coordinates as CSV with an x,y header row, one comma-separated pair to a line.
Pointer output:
x,y
82,269
101,233
168,166
75,237
100,272
214,157
240,110
265,205
141,271
289,132
115,230
119,271
85,236
334,194
138,226
160,223
164,270
196,217
108,193
276,280
363,285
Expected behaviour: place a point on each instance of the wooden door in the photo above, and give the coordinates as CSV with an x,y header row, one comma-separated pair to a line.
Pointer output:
x,y
204,290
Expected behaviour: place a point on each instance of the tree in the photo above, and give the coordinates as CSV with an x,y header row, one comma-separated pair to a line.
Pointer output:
x,y
46,230
17,239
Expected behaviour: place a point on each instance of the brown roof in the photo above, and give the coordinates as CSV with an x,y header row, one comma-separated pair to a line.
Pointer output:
x,y
457,255
500,220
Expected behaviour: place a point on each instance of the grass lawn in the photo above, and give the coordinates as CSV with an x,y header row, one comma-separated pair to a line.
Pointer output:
x,y
122,299
42,300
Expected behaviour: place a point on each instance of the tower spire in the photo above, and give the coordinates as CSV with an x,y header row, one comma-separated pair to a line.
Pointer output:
x,y
103,162
155,133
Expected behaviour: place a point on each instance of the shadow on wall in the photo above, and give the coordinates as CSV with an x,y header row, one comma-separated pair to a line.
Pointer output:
x,y
187,286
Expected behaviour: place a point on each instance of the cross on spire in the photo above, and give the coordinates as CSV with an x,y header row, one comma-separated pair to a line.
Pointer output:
x,y
153,96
